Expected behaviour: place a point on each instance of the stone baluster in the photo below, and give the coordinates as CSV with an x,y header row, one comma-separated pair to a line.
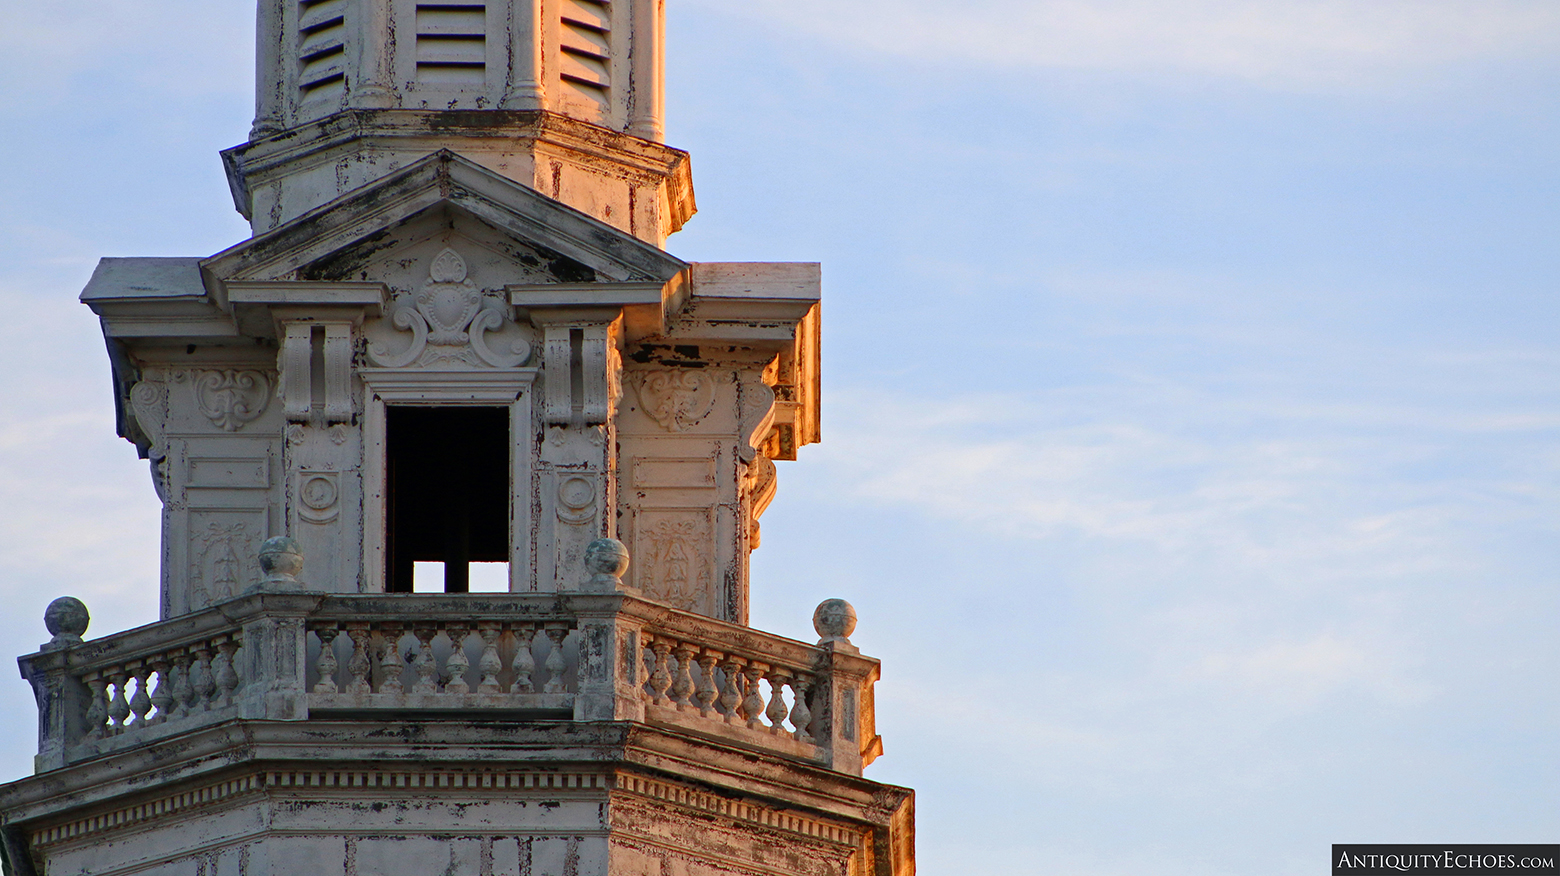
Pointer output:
x,y
328,664
801,716
489,664
358,665
777,711
457,665
647,667
705,694
753,700
227,673
118,707
201,682
427,667
661,677
183,690
555,664
731,690
97,712
141,700
162,693
219,660
682,680
391,665
524,663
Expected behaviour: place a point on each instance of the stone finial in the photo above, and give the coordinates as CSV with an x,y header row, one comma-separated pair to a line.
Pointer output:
x,y
834,620
281,560
606,559
66,619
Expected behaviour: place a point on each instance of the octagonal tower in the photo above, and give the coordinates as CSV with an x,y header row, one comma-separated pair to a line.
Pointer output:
x,y
454,344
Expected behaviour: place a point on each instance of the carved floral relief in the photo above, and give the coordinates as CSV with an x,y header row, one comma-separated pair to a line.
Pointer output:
x,y
219,568
676,559
676,400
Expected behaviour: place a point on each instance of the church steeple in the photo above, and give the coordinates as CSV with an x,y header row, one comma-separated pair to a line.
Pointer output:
x,y
564,96
455,344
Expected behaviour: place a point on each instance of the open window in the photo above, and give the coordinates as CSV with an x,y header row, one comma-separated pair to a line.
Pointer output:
x,y
447,492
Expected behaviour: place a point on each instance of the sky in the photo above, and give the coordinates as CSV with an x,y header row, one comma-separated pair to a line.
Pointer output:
x,y
1191,424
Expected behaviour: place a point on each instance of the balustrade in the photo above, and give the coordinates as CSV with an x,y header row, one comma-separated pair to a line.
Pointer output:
x,y
706,683
181,685
296,656
421,662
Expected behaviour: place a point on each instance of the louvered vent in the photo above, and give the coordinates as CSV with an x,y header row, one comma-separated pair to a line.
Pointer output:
x,y
451,43
584,48
322,50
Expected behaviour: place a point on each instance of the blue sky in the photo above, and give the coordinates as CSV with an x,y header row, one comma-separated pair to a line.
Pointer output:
x,y
1191,429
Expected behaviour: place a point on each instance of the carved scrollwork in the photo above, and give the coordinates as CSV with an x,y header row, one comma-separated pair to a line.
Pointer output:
x,y
449,319
758,414
677,400
230,399
149,401
405,319
761,482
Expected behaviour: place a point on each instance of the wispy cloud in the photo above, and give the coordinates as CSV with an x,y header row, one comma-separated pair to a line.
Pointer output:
x,y
1287,43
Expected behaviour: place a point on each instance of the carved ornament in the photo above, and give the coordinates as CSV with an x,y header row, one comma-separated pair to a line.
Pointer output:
x,y
449,319
231,399
319,494
576,499
218,572
149,401
758,414
677,400
678,562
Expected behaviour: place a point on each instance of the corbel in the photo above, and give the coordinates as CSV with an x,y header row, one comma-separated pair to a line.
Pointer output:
x,y
296,363
292,309
577,347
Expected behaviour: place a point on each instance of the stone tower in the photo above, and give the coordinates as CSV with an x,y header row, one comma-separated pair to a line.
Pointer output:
x,y
454,338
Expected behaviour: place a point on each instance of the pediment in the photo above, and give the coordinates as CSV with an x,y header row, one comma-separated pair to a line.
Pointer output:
x,y
509,234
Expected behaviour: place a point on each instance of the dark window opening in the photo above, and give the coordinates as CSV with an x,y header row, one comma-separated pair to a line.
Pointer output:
x,y
447,492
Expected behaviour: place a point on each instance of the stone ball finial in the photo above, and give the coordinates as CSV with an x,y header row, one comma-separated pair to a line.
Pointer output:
x,y
66,619
281,560
606,559
834,620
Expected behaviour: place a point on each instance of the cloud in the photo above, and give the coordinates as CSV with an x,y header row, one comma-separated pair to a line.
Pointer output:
x,y
1285,43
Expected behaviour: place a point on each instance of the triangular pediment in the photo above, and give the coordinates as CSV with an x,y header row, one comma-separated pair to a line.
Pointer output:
x,y
428,203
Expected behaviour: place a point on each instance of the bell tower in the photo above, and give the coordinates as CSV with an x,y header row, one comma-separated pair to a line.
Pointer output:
x,y
563,96
455,343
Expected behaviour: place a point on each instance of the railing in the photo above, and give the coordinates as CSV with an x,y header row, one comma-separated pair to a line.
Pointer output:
x,y
190,681
561,656
441,654
702,680
125,690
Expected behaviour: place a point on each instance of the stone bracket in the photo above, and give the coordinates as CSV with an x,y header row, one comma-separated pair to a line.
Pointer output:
x,y
577,346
